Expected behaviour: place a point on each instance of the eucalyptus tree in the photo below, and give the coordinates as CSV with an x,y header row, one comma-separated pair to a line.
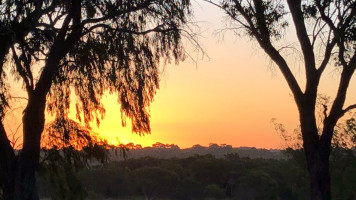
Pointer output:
x,y
325,31
84,47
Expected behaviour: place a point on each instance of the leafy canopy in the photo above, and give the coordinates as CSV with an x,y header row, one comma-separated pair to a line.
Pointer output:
x,y
89,47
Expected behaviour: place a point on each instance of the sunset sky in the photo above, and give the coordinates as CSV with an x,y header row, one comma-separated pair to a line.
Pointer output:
x,y
228,97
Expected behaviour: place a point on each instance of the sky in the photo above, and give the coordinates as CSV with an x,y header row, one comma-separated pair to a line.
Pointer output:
x,y
227,96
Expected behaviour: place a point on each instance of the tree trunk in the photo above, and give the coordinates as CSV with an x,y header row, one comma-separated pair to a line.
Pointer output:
x,y
318,169
7,164
23,186
317,157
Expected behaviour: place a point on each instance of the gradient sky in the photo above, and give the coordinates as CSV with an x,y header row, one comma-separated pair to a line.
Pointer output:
x,y
227,97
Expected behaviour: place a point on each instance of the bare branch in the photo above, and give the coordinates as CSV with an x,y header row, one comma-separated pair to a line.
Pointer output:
x,y
336,111
317,33
328,50
232,15
339,28
302,34
347,109
260,33
157,29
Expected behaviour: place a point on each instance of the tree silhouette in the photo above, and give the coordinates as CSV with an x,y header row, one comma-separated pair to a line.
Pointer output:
x,y
325,30
57,48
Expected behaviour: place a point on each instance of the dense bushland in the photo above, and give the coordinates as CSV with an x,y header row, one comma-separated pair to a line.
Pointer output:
x,y
201,177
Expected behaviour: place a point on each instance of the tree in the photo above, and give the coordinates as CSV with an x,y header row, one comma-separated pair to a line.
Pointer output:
x,y
325,30
55,47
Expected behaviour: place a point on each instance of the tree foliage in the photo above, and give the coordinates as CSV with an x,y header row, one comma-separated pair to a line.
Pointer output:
x,y
106,45
325,33
241,178
58,49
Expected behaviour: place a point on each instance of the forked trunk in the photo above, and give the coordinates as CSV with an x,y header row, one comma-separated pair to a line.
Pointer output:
x,y
317,157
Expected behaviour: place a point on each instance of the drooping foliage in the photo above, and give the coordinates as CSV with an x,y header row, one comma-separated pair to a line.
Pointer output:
x,y
110,45
74,51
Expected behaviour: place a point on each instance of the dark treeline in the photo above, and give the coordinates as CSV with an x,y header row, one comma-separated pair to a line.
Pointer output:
x,y
167,151
200,177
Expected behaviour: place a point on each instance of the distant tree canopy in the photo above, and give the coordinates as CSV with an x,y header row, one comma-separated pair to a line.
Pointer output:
x,y
325,32
180,178
59,47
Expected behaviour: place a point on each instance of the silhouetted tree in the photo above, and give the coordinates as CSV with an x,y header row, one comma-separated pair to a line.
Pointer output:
x,y
66,148
325,30
85,47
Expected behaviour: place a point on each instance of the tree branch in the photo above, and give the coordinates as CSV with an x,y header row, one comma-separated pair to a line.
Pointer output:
x,y
21,71
267,46
265,34
336,111
229,13
347,109
60,48
302,34
260,33
328,50
5,46
348,68
340,29
143,5
312,77
352,63
157,29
